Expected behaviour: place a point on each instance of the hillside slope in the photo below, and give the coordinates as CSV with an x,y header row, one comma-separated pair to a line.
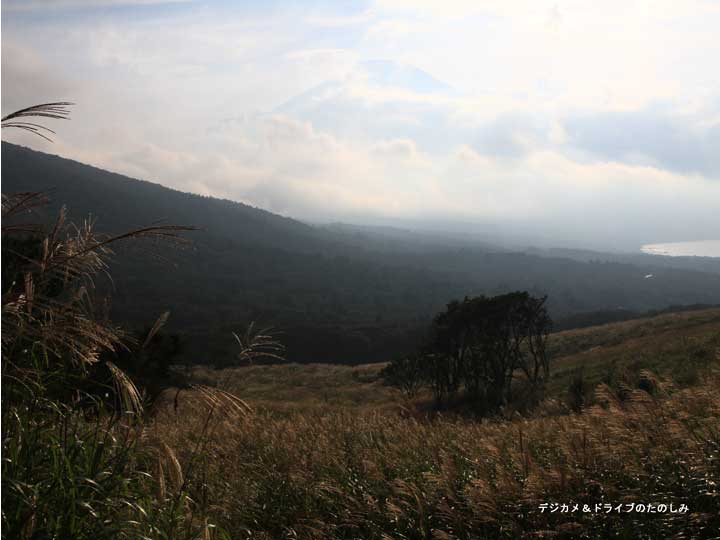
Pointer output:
x,y
679,346
338,294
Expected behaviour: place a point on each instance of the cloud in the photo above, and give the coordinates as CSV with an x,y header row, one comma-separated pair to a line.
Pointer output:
x,y
293,169
339,21
511,135
396,148
29,79
684,143
495,114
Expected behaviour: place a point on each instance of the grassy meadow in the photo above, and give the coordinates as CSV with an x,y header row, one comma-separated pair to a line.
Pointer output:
x,y
372,475
327,451
677,346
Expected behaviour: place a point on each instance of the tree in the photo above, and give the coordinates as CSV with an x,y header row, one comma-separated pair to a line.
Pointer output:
x,y
405,372
479,346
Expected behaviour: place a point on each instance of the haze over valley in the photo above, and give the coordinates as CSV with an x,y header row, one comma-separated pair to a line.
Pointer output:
x,y
371,291
525,126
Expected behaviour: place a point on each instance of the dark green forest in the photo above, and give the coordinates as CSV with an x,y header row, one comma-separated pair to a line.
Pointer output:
x,y
339,293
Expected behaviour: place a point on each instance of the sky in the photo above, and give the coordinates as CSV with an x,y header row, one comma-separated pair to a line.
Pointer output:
x,y
563,122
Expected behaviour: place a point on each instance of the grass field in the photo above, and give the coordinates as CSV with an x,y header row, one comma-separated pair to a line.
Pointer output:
x,y
677,346
329,452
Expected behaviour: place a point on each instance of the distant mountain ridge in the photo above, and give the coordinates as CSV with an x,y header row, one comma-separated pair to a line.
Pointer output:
x,y
702,264
340,292
86,189
379,73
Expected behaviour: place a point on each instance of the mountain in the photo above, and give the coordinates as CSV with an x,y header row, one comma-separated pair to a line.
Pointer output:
x,y
703,264
373,105
339,293
379,74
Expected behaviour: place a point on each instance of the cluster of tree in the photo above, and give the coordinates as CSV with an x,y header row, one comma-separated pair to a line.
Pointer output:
x,y
478,347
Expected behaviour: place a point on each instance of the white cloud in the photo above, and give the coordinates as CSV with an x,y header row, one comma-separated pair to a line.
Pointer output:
x,y
396,148
587,122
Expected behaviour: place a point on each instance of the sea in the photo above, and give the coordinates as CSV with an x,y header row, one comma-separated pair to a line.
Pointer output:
x,y
700,248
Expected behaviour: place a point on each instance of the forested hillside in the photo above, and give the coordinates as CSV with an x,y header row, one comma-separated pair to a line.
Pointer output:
x,y
338,293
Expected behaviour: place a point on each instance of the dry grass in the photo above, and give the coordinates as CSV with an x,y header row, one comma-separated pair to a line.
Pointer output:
x,y
74,465
303,387
570,342
679,346
374,474
331,452
58,110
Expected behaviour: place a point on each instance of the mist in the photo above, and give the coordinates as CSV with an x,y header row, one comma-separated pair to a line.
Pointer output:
x,y
521,126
